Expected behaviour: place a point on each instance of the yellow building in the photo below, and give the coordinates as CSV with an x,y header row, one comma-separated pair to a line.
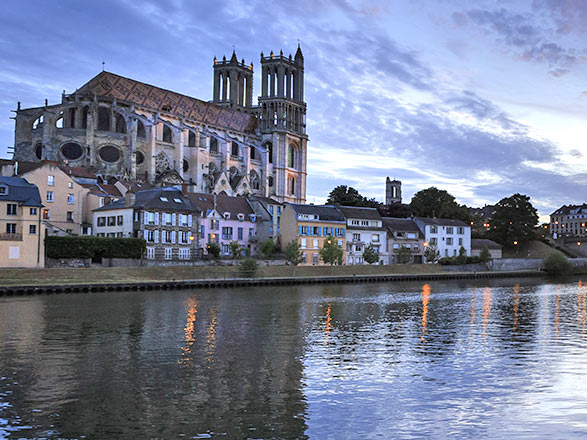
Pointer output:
x,y
21,229
310,225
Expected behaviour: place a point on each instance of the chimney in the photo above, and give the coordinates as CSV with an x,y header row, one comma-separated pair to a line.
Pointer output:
x,y
129,198
184,189
16,168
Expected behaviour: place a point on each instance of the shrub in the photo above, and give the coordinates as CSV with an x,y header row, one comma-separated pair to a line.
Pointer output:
x,y
557,264
370,255
293,255
404,255
235,249
431,254
267,248
485,255
94,247
462,258
213,250
248,267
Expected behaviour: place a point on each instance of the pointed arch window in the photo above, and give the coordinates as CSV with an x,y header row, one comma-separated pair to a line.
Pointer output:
x,y
234,149
103,119
213,145
141,132
167,135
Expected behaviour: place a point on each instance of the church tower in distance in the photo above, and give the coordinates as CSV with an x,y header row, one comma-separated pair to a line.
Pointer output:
x,y
393,191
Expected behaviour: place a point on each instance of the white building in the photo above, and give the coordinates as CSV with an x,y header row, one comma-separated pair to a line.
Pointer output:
x,y
364,228
446,235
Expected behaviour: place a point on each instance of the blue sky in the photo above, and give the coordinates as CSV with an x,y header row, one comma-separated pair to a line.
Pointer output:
x,y
482,98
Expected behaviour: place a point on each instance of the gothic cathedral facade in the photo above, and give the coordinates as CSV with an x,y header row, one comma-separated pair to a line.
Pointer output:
x,y
126,130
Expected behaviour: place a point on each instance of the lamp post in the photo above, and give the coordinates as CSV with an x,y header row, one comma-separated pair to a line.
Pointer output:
x,y
516,245
193,253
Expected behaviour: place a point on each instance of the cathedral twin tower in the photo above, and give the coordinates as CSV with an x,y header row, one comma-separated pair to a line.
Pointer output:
x,y
127,130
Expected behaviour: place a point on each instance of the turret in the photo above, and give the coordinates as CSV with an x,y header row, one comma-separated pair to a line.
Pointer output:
x,y
233,82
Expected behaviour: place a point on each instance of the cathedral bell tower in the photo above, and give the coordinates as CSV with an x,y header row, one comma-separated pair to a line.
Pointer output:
x,y
282,121
233,83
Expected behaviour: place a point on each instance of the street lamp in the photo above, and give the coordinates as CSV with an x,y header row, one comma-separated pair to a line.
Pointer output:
x,y
192,240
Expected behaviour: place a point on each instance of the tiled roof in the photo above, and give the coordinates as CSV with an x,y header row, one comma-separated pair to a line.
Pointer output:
x,y
571,209
442,221
324,212
79,172
117,87
401,224
360,212
21,191
478,243
151,199
233,205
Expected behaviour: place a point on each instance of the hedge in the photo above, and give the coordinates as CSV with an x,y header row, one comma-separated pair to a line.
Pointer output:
x,y
453,261
94,247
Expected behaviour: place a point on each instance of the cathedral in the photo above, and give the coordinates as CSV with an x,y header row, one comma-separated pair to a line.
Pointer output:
x,y
123,129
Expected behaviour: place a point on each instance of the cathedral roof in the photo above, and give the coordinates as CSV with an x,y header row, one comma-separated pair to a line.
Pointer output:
x,y
110,85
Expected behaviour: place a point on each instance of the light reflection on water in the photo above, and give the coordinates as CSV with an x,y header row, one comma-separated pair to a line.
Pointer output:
x,y
489,359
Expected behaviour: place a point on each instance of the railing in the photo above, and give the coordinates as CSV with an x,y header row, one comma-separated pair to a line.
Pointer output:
x,y
10,237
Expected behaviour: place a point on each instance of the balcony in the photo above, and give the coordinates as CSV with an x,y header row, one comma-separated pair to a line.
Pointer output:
x,y
10,237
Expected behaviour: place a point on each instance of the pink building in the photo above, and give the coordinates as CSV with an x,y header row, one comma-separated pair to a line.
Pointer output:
x,y
225,219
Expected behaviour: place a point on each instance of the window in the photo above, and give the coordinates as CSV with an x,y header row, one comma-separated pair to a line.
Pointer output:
x,y
49,196
433,229
33,211
168,253
184,253
304,258
251,232
119,220
141,133
292,185
69,216
315,243
460,241
271,209
111,220
33,229
240,233
375,238
70,199
3,190
214,224
234,149
11,228
304,243
167,135
11,209
213,145
177,200
396,246
101,201
449,241
101,221
291,157
433,241
356,237
460,230
120,124
103,119
46,214
364,223
70,185
51,180
315,258
150,253
449,230
227,233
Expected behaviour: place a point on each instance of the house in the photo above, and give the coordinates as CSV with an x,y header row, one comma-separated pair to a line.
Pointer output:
x,y
569,221
164,217
447,235
404,233
225,219
63,197
364,227
21,228
268,212
477,245
309,226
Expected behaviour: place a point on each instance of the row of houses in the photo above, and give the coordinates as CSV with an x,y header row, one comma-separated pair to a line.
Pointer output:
x,y
178,225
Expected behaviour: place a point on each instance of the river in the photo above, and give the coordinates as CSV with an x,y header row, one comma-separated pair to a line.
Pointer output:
x,y
471,359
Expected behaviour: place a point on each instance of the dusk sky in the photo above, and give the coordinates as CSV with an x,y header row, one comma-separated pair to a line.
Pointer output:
x,y
483,99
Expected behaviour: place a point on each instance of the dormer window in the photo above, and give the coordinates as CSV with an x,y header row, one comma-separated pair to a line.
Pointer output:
x,y
177,200
163,199
227,216
253,218
3,190
241,217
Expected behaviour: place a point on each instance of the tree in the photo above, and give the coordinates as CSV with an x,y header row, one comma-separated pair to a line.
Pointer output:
x,y
213,250
434,202
514,220
349,196
404,255
235,249
267,248
485,255
556,264
331,252
431,254
397,210
462,258
293,255
370,255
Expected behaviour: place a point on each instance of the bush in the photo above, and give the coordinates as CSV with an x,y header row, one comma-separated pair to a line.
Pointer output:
x,y
456,261
248,267
293,255
94,247
485,255
557,264
267,248
235,249
213,250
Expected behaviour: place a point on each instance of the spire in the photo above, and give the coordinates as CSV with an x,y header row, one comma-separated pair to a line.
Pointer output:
x,y
233,58
299,56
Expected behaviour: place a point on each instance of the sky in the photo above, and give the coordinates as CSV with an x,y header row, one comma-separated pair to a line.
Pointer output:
x,y
483,99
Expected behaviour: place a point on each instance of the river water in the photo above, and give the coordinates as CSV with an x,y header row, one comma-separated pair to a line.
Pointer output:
x,y
485,359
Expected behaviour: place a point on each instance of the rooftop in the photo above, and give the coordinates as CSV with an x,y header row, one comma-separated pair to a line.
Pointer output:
x,y
324,212
21,191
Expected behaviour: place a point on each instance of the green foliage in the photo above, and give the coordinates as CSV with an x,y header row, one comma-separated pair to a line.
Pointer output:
x,y
434,202
331,252
431,254
349,196
485,255
557,264
370,254
292,252
235,249
213,250
248,267
404,255
456,261
514,220
462,258
267,248
94,247
397,210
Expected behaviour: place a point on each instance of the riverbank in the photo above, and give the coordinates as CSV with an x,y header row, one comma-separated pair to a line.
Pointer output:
x,y
73,280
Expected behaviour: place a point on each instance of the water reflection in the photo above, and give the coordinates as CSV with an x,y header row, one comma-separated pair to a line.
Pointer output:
x,y
351,361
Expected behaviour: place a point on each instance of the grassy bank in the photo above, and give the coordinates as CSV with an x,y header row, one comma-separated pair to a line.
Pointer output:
x,y
40,277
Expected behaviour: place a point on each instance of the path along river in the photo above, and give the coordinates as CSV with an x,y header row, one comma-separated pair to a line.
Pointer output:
x,y
486,359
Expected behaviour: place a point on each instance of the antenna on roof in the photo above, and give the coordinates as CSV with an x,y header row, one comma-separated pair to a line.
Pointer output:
x,y
103,64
